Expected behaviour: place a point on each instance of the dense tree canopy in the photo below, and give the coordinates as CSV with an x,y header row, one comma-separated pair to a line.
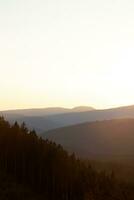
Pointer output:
x,y
48,170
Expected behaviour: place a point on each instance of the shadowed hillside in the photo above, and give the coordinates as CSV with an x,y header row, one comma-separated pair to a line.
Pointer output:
x,y
110,139
44,169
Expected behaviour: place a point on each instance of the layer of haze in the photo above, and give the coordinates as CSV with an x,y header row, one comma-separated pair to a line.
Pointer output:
x,y
66,53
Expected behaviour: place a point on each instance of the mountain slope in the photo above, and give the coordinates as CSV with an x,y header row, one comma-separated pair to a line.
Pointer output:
x,y
38,123
40,169
48,122
104,139
89,116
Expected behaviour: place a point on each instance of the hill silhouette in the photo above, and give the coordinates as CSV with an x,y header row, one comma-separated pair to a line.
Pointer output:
x,y
43,121
45,111
44,169
109,139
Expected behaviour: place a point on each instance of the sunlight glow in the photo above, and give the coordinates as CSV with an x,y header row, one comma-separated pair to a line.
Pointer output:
x,y
68,53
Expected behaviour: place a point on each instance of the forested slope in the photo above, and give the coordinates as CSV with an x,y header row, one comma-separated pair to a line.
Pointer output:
x,y
47,170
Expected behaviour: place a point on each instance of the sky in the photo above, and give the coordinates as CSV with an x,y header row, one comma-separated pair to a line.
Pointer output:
x,y
66,53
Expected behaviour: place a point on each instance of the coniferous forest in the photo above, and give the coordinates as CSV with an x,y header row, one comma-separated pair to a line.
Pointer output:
x,y
33,168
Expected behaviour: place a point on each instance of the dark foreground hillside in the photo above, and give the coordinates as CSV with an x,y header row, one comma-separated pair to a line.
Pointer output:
x,y
11,190
44,169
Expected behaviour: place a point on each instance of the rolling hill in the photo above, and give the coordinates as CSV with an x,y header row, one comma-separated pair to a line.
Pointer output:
x,y
52,118
109,139
45,111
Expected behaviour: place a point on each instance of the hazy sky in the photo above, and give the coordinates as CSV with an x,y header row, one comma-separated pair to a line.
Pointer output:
x,y
66,53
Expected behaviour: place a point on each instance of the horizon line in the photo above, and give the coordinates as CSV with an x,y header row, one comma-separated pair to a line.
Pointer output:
x,y
69,108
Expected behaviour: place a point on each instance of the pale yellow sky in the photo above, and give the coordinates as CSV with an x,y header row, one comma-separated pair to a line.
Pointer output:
x,y
66,53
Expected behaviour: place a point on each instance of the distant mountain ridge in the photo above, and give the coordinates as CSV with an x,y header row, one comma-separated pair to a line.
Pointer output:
x,y
51,118
46,111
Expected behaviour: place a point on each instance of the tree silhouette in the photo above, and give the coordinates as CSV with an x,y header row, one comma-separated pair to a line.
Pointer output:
x,y
50,171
